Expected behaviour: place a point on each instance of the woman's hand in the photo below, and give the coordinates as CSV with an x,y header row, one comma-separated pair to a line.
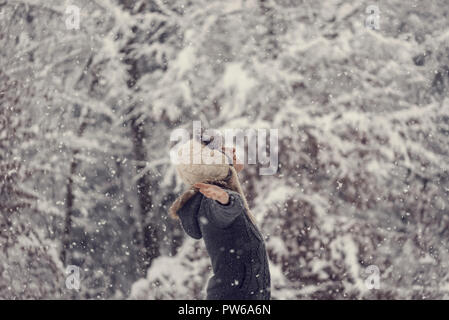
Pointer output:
x,y
213,192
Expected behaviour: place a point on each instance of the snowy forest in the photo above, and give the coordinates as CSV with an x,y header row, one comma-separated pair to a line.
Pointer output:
x,y
88,103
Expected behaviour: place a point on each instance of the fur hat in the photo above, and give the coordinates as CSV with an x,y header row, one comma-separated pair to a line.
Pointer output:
x,y
197,162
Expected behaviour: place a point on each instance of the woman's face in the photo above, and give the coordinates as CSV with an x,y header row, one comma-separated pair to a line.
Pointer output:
x,y
230,152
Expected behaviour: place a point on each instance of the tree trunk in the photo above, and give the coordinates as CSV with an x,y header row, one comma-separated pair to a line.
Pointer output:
x,y
69,201
150,226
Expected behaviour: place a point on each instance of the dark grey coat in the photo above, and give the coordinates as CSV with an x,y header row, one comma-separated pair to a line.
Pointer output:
x,y
235,246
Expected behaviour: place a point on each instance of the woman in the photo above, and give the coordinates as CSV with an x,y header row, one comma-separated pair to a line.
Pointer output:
x,y
215,209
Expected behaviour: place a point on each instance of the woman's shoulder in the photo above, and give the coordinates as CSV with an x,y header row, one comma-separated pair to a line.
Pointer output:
x,y
223,215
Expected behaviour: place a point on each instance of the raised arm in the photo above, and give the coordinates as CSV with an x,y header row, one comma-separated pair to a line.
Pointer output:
x,y
224,206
